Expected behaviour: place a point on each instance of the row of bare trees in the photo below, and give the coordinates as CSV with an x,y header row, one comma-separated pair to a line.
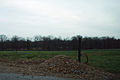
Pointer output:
x,y
57,43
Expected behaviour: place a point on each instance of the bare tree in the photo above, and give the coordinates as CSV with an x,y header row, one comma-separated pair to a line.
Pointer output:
x,y
38,38
28,41
3,38
15,40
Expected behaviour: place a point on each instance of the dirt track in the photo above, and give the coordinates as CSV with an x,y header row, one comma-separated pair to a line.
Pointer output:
x,y
6,75
13,76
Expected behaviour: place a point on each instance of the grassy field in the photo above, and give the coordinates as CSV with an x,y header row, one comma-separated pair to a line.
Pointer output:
x,y
108,60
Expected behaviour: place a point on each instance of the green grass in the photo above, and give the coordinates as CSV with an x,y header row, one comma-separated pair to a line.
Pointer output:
x,y
109,60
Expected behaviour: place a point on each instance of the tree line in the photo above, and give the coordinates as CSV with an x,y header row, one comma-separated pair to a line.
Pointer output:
x,y
50,43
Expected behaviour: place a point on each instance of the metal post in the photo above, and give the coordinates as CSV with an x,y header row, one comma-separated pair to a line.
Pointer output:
x,y
79,49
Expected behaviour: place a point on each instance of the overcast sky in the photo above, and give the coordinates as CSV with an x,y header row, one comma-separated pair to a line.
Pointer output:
x,y
65,18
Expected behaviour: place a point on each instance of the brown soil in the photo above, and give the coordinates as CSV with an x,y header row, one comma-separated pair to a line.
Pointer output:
x,y
60,66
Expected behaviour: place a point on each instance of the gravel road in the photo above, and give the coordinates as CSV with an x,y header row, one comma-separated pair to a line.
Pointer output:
x,y
13,76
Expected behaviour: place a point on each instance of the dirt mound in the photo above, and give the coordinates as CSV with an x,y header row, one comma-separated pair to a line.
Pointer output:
x,y
66,65
59,63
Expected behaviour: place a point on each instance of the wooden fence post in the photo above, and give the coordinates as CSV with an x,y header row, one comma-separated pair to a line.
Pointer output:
x,y
79,49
